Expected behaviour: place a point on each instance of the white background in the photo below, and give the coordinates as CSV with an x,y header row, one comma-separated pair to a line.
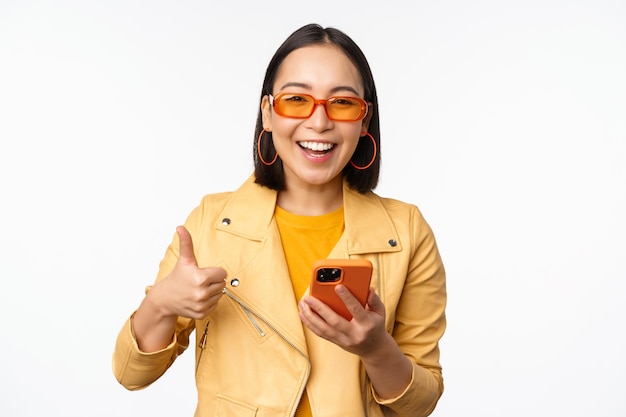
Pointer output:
x,y
504,121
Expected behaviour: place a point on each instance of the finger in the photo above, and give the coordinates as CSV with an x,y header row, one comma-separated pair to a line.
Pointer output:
x,y
319,312
374,303
324,322
352,304
215,274
213,299
312,314
215,278
211,279
185,243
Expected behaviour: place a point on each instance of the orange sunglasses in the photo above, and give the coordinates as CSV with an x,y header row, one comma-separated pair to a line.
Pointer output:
x,y
302,106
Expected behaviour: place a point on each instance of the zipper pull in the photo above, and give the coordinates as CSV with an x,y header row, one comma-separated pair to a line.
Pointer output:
x,y
202,343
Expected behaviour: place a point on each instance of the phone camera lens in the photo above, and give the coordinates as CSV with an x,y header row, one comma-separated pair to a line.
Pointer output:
x,y
328,274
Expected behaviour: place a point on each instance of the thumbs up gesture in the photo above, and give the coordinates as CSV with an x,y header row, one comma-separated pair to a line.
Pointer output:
x,y
190,291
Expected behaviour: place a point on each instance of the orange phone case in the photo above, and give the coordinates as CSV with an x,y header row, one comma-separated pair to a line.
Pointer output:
x,y
355,274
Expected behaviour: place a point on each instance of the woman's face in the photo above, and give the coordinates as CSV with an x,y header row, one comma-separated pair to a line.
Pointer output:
x,y
315,150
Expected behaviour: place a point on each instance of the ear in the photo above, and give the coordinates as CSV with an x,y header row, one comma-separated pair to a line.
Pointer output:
x,y
365,123
266,112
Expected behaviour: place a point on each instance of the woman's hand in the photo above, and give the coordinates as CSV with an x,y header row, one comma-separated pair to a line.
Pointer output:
x,y
188,291
389,370
361,335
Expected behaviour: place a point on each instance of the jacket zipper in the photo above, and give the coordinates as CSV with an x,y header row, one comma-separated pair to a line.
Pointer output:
x,y
250,313
253,321
202,344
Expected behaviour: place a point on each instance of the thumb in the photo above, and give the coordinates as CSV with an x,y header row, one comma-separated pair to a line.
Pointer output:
x,y
185,243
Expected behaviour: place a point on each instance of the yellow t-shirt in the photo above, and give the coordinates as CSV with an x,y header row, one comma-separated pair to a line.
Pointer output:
x,y
306,239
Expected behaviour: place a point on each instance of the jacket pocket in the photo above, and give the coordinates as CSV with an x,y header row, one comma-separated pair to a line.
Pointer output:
x,y
228,407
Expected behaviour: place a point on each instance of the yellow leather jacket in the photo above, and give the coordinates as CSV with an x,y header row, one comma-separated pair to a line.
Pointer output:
x,y
253,354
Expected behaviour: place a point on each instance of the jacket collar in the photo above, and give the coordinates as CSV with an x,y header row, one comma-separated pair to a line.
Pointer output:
x,y
368,227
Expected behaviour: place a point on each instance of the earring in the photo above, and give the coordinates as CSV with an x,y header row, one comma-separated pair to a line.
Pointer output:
x,y
258,148
373,157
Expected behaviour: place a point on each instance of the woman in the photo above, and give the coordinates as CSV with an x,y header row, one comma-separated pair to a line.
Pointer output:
x,y
238,271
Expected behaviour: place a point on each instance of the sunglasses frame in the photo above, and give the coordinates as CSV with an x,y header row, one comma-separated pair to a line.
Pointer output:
x,y
316,102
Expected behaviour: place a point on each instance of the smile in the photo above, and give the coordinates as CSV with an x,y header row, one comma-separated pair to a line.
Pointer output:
x,y
323,147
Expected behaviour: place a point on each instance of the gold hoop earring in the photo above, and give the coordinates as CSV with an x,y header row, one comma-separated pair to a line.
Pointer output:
x,y
258,149
373,157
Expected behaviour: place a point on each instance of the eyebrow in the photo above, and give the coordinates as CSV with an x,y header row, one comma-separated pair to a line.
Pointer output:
x,y
308,87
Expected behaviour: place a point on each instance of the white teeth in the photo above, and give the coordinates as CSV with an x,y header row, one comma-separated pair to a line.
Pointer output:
x,y
316,146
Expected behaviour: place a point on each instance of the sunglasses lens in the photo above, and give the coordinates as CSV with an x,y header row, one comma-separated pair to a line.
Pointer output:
x,y
294,105
302,106
345,108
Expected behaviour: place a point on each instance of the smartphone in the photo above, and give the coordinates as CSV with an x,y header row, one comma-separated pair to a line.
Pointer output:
x,y
354,274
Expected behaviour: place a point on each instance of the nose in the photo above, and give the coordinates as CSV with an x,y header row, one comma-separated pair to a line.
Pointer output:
x,y
319,119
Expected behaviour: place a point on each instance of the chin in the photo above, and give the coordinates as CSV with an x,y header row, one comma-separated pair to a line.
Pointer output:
x,y
320,179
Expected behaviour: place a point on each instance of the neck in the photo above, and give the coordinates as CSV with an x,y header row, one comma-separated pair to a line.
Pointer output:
x,y
312,200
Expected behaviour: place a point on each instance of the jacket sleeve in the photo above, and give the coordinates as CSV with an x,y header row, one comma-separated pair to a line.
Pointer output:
x,y
420,323
135,369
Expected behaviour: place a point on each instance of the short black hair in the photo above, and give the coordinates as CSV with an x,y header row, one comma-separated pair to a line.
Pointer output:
x,y
273,176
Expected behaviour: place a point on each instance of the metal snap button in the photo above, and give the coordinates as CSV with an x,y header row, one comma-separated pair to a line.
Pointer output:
x,y
234,282
392,242
225,221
